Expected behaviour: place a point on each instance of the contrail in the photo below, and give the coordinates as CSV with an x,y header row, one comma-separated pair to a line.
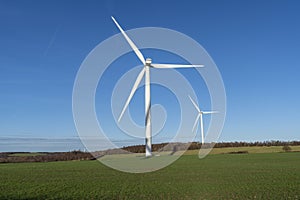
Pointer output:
x,y
51,41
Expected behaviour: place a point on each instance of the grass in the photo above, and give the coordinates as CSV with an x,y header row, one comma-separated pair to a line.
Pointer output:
x,y
220,176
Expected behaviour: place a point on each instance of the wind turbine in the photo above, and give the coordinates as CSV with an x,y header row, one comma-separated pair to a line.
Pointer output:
x,y
199,116
145,72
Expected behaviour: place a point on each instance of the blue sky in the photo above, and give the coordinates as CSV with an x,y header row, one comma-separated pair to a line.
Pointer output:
x,y
255,45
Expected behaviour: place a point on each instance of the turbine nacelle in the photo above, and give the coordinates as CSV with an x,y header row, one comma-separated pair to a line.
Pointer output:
x,y
148,61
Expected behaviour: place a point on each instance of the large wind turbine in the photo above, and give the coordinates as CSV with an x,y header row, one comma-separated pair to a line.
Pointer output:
x,y
199,116
145,72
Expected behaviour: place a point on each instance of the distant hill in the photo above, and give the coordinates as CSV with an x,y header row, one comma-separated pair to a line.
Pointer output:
x,y
15,157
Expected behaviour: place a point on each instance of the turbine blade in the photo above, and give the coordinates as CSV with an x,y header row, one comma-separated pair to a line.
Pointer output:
x,y
195,123
168,66
135,86
198,109
135,49
209,112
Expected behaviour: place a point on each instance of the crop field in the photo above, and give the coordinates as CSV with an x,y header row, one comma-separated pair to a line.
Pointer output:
x,y
27,154
220,176
258,149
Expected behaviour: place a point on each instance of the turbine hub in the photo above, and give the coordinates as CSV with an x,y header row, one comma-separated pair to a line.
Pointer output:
x,y
148,61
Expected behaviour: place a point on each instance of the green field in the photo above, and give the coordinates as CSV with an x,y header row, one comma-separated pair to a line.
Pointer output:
x,y
220,176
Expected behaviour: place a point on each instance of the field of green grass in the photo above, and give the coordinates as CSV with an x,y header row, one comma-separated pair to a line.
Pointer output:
x,y
219,176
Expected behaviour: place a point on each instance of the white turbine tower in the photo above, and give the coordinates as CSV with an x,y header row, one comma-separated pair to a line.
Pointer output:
x,y
199,116
145,72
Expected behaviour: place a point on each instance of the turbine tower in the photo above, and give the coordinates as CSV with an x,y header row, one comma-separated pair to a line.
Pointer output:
x,y
199,116
145,72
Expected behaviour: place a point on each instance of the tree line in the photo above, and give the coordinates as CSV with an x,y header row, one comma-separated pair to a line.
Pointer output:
x,y
197,145
10,157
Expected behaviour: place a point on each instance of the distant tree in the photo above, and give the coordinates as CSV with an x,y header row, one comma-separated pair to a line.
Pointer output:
x,y
286,148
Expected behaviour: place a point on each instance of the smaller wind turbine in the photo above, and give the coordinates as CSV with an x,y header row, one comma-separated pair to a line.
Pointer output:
x,y
199,116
